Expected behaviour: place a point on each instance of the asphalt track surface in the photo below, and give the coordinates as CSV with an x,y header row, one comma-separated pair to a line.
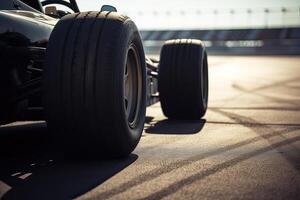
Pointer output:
x,y
246,147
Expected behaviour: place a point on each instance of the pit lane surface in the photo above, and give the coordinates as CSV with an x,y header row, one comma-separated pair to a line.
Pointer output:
x,y
246,147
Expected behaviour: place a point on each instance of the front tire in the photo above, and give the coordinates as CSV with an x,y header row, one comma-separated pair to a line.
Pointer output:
x,y
88,87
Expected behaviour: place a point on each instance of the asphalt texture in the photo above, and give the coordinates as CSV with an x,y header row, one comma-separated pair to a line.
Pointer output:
x,y
246,147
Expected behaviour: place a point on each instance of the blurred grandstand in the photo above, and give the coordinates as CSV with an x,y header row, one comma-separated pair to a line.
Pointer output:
x,y
271,41
265,39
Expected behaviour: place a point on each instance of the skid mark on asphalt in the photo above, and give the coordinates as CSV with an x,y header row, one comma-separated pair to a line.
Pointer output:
x,y
217,168
150,175
258,108
252,124
292,153
274,99
256,90
272,85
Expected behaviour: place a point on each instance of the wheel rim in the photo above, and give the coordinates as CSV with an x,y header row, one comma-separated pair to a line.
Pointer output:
x,y
132,86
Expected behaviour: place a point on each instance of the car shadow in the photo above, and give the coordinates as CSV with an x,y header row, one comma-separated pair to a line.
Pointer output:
x,y
33,169
176,127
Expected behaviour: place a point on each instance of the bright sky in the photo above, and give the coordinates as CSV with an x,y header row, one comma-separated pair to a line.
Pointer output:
x,y
189,14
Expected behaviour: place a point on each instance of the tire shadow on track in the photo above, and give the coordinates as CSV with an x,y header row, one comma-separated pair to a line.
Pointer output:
x,y
176,127
33,169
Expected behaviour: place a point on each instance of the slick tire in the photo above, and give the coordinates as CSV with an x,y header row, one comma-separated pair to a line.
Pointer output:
x,y
95,85
183,79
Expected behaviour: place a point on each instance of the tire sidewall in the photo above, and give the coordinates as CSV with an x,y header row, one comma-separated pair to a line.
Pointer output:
x,y
129,36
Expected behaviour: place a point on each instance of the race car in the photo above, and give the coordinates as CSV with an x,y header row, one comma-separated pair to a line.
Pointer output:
x,y
87,76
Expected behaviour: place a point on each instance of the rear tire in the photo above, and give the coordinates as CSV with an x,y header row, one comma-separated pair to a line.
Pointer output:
x,y
85,89
183,79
